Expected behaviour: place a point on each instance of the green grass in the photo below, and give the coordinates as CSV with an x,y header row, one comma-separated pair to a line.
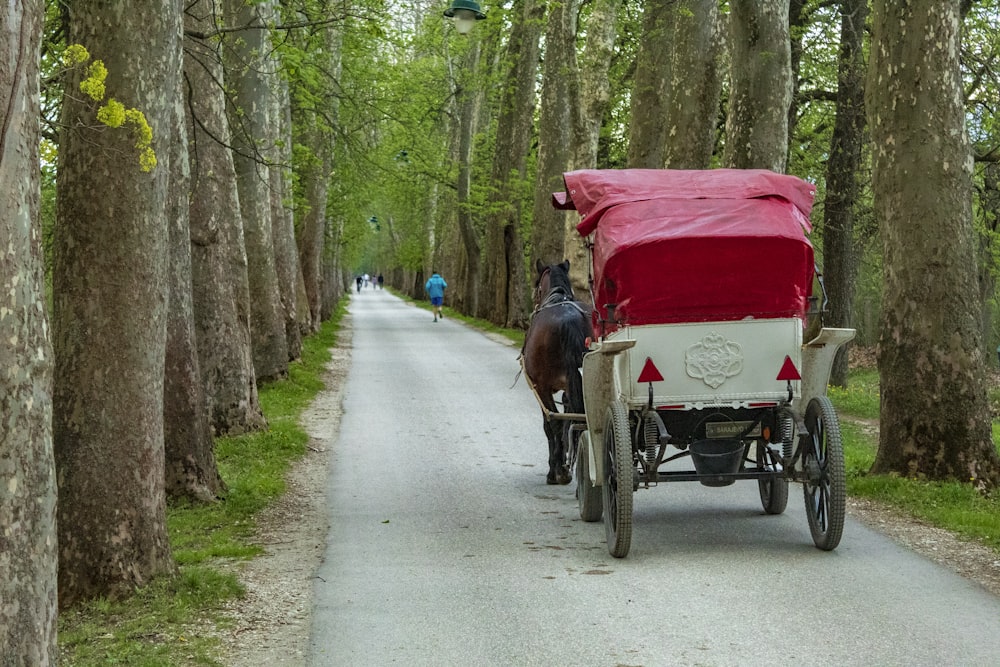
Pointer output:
x,y
164,623
950,505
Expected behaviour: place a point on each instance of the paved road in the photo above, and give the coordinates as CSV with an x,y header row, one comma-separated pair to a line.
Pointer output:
x,y
447,547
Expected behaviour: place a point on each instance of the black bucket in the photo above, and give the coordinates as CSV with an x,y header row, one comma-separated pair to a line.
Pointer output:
x,y
716,457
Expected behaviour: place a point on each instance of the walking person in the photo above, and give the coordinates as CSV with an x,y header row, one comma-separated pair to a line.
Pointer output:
x,y
435,288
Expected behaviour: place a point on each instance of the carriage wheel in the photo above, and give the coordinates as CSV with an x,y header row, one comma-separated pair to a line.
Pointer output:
x,y
825,488
773,491
588,496
616,492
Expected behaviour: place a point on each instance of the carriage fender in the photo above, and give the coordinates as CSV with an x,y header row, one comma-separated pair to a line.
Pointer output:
x,y
599,391
817,361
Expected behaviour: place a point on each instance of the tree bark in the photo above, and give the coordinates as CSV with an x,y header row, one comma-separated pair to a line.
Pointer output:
x,y
189,449
286,255
594,97
504,276
695,86
760,88
246,64
559,99
842,169
651,92
935,418
314,177
110,292
467,104
221,293
27,471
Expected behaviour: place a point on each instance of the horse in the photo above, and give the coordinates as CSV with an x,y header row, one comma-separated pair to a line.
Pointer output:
x,y
554,345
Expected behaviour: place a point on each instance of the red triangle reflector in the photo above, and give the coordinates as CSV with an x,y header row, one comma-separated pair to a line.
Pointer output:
x,y
650,373
789,371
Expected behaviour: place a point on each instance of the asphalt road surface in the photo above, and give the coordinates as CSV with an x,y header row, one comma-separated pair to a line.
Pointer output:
x,y
447,547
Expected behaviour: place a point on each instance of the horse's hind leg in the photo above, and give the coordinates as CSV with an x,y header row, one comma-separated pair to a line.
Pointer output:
x,y
559,472
552,434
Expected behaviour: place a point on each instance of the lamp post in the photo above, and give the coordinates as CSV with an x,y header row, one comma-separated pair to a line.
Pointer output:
x,y
465,14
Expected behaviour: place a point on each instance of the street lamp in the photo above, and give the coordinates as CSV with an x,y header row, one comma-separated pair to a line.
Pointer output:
x,y
465,13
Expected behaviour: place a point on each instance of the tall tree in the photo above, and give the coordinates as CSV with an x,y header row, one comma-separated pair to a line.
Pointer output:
x,y
247,68
600,26
760,85
651,92
286,255
467,101
935,419
559,99
842,175
504,248
221,292
695,86
110,293
27,471
316,113
189,455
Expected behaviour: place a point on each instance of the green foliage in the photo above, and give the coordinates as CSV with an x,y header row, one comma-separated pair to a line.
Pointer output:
x,y
112,113
163,624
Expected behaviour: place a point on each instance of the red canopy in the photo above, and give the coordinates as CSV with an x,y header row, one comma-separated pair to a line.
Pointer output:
x,y
695,246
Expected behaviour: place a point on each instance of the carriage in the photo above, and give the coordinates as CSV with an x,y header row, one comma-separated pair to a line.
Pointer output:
x,y
705,361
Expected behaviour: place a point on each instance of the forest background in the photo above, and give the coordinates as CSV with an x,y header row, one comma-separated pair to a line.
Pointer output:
x,y
214,174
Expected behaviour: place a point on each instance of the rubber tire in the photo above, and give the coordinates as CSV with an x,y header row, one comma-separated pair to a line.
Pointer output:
x,y
616,492
826,493
774,491
588,496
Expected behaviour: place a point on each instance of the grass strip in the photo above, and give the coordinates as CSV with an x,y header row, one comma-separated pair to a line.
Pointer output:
x,y
164,624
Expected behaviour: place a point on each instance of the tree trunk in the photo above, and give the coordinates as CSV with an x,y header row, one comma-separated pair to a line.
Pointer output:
x,y
467,105
695,86
842,168
314,177
651,93
27,475
935,418
559,99
286,255
504,278
760,88
248,118
189,455
798,19
595,94
110,279
221,293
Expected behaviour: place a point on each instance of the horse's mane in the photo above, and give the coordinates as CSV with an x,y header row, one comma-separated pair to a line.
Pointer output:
x,y
559,280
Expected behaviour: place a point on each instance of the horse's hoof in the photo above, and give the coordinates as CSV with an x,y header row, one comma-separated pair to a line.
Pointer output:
x,y
565,479
550,479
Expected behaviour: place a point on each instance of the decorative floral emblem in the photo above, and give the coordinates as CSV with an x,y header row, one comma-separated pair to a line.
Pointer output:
x,y
714,359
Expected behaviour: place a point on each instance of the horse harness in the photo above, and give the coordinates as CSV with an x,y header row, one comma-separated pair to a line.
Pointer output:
x,y
557,297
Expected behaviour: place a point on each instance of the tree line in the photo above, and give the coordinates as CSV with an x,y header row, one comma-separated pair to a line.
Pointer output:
x,y
188,187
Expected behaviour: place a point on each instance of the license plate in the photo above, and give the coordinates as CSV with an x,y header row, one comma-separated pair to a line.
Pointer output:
x,y
729,430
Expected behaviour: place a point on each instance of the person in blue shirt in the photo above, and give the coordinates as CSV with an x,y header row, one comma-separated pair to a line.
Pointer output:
x,y
435,290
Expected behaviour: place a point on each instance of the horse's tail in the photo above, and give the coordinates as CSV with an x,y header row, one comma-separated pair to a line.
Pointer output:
x,y
573,351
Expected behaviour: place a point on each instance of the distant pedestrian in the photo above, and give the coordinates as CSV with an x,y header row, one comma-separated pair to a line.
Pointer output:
x,y
435,288
381,281
358,281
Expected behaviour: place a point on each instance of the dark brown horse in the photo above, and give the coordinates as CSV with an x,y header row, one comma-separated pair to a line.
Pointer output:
x,y
553,351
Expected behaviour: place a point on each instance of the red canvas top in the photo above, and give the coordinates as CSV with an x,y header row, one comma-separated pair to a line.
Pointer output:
x,y
695,246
